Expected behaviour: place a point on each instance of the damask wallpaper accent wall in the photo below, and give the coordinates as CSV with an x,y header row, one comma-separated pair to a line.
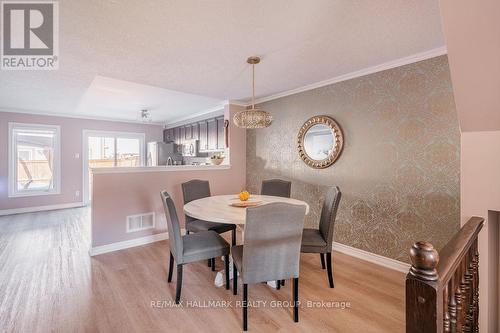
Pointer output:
x,y
399,172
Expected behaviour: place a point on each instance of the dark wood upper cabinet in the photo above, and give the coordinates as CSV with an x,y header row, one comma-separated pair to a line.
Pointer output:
x,y
182,135
212,134
169,135
209,132
195,132
177,135
220,133
203,126
188,132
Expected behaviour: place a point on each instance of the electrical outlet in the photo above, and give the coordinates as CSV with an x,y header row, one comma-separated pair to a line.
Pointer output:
x,y
77,194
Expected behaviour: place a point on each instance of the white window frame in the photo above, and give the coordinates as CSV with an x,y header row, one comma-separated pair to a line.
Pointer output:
x,y
13,192
86,133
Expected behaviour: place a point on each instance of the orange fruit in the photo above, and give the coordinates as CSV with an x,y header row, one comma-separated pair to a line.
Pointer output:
x,y
244,195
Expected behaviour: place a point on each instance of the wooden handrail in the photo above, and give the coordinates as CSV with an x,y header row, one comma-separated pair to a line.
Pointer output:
x,y
442,289
456,248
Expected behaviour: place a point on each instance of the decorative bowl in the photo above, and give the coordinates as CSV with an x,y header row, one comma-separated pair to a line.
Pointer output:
x,y
244,204
216,161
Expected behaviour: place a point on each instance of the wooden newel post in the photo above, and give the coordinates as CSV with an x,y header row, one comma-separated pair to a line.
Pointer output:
x,y
424,260
424,309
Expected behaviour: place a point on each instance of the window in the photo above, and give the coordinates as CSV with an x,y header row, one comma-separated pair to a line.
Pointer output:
x,y
110,149
34,159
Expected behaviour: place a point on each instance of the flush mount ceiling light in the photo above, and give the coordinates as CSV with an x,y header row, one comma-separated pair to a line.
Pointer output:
x,y
146,116
254,117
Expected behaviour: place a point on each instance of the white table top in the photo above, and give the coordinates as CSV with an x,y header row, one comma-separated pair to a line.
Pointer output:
x,y
217,208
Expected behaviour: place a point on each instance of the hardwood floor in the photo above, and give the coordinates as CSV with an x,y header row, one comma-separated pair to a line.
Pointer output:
x,y
48,283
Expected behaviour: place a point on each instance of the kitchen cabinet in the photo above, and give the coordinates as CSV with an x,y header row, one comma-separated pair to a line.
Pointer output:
x,y
195,134
209,132
182,135
177,135
203,128
170,134
212,134
220,133
188,132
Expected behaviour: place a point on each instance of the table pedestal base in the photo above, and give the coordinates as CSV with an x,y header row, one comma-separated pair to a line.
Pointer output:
x,y
220,276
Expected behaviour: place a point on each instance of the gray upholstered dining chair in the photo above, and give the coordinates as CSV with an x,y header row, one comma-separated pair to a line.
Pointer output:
x,y
190,248
320,240
276,187
271,249
198,189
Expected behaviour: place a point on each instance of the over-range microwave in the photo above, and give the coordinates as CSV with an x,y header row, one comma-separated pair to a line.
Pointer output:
x,y
191,148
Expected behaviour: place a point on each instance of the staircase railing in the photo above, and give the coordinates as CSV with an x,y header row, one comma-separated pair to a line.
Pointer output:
x,y
442,289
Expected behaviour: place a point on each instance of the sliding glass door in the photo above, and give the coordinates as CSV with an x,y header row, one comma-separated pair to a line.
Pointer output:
x,y
109,150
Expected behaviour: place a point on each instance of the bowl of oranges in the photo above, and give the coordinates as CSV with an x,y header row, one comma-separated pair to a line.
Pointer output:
x,y
244,200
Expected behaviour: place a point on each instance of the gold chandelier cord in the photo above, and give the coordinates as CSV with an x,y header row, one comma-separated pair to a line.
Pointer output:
x,y
253,86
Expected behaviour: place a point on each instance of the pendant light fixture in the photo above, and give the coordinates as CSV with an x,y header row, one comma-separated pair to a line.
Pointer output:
x,y
254,117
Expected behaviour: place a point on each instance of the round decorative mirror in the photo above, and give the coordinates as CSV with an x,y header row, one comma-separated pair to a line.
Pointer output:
x,y
320,142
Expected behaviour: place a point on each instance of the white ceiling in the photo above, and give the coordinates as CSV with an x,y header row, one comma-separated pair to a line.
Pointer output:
x,y
117,99
200,48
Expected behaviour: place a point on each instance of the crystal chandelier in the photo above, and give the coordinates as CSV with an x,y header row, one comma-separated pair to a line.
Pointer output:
x,y
254,117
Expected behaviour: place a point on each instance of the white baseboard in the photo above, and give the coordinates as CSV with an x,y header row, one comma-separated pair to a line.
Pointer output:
x,y
40,208
349,250
372,257
130,243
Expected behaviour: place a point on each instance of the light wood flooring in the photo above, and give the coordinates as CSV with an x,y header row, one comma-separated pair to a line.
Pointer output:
x,y
48,283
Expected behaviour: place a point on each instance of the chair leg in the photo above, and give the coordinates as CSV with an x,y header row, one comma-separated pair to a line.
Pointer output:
x,y
278,284
170,267
235,280
213,264
226,268
322,260
179,284
283,283
209,262
329,268
245,307
296,300
233,237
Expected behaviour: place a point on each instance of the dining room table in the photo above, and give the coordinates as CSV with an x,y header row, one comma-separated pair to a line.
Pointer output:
x,y
231,210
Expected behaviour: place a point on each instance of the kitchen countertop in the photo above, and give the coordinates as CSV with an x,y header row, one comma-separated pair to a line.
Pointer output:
x,y
168,168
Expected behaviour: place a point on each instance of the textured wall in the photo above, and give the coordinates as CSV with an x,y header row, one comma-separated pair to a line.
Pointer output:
x,y
400,168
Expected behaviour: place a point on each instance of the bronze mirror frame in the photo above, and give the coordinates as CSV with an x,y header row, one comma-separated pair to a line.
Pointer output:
x,y
337,134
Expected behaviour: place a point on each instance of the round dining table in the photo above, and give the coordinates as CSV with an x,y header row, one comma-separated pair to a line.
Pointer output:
x,y
218,208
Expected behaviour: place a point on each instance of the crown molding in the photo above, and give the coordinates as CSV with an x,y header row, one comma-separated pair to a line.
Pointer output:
x,y
64,115
214,111
237,103
366,71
